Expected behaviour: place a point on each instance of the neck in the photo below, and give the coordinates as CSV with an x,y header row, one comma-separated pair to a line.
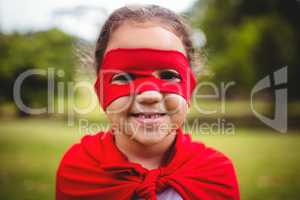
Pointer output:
x,y
149,156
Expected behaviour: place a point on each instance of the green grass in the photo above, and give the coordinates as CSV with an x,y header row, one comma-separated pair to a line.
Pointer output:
x,y
267,163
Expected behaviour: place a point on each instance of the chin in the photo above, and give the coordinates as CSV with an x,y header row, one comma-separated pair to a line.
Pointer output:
x,y
149,137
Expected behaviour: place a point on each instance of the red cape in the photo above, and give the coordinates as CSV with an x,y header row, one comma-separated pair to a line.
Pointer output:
x,y
96,169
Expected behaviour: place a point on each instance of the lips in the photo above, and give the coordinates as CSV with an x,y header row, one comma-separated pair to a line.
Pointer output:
x,y
148,117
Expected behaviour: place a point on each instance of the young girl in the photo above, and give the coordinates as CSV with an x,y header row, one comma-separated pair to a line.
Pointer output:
x,y
144,56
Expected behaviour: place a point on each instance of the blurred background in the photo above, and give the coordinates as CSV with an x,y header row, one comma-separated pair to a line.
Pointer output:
x,y
240,42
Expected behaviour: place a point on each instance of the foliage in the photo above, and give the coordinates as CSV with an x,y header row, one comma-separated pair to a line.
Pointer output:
x,y
249,39
35,50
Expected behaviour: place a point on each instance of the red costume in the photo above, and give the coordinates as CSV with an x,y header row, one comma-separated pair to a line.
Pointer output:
x,y
96,169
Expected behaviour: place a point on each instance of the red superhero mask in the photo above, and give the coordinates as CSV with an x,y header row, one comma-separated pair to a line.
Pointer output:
x,y
139,66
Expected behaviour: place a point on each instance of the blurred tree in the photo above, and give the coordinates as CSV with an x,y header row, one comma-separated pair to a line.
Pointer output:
x,y
36,50
248,39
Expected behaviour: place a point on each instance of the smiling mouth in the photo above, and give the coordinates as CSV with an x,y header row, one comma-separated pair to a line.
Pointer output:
x,y
147,115
149,118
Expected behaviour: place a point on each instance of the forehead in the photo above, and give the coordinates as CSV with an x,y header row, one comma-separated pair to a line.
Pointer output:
x,y
144,35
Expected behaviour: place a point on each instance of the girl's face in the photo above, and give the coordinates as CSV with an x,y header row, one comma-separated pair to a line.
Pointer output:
x,y
150,116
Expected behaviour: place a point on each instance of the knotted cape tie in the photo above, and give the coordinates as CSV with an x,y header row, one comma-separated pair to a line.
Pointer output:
x,y
147,189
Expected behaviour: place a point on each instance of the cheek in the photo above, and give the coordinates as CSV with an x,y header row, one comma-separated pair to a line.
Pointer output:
x,y
174,103
176,107
117,111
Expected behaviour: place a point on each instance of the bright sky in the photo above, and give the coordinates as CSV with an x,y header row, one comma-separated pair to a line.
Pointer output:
x,y
78,17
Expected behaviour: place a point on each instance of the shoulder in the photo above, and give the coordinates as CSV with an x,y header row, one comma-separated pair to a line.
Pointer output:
x,y
81,152
79,165
217,163
213,166
202,156
205,152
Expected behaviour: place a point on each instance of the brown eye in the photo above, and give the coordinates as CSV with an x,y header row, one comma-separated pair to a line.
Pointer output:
x,y
122,78
169,75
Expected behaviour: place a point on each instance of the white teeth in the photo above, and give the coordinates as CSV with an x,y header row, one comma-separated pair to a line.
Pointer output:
x,y
149,116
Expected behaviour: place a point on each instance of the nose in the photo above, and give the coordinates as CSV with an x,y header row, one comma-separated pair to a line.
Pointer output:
x,y
149,97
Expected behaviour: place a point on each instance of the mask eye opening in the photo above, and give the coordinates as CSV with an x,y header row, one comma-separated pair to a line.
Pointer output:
x,y
122,78
169,75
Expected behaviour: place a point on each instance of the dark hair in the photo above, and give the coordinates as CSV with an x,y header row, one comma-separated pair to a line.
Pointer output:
x,y
144,13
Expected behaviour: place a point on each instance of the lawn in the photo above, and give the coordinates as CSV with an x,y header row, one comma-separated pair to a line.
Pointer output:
x,y
267,162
